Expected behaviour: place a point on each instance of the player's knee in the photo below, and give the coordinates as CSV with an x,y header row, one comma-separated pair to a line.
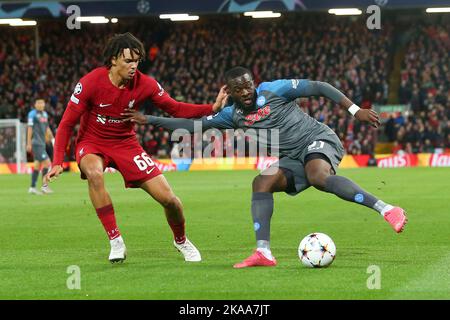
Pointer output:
x,y
318,178
171,202
94,175
261,184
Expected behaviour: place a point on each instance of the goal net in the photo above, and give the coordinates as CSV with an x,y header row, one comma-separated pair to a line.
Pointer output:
x,y
13,156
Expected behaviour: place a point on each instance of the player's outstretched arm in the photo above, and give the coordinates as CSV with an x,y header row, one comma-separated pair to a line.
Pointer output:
x,y
306,88
167,123
164,101
221,120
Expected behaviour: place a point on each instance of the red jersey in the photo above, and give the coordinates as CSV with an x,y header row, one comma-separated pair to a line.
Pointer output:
x,y
99,104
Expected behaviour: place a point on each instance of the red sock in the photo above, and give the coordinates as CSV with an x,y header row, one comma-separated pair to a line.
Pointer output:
x,y
106,216
178,231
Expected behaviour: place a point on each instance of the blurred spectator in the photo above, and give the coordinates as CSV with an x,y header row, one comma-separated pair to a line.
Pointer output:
x,y
190,59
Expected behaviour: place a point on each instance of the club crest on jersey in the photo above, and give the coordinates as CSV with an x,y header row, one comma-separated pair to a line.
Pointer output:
x,y
256,116
78,88
261,101
130,104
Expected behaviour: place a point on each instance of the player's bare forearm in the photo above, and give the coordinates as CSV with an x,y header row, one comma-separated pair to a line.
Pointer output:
x,y
65,129
50,134
172,123
167,123
330,92
29,137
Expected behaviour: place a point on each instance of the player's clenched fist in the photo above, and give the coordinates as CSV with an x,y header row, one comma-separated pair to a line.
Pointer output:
x,y
53,174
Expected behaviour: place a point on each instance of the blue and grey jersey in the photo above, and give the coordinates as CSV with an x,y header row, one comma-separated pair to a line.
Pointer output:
x,y
275,109
38,120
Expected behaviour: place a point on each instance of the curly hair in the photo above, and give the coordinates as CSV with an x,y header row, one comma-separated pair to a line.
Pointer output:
x,y
117,43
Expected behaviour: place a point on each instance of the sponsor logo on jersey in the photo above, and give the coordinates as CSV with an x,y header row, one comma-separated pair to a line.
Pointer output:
x,y
102,105
261,101
256,116
101,119
113,120
295,83
105,119
81,151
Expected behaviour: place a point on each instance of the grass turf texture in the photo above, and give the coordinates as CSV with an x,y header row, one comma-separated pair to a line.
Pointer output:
x,y
43,235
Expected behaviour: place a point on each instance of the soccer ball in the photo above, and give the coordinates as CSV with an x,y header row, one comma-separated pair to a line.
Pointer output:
x,y
316,250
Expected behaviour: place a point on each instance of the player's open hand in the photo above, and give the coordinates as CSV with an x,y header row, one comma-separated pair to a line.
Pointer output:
x,y
53,174
221,99
368,115
134,116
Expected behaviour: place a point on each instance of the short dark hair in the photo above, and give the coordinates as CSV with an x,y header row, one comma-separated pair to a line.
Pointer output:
x,y
235,73
117,43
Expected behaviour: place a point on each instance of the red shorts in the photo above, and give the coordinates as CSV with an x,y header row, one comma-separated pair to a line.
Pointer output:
x,y
127,157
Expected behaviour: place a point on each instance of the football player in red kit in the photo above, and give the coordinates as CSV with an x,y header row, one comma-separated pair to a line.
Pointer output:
x,y
105,140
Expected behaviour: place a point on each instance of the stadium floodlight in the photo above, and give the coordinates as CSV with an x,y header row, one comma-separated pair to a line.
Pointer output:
x,y
345,11
179,17
114,20
262,14
251,13
23,23
173,15
93,19
9,21
438,10
100,21
188,18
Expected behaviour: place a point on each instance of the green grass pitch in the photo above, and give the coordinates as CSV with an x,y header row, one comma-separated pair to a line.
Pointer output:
x,y
41,236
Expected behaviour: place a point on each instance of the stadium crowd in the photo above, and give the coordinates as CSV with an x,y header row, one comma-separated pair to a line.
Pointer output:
x,y
425,85
189,61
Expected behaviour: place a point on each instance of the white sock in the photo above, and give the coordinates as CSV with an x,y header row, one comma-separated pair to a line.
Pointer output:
x,y
386,209
118,239
266,253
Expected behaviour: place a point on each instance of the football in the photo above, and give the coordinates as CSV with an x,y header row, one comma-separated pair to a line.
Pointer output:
x,y
316,250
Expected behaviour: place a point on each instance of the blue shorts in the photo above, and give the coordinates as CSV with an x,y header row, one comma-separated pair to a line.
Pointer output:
x,y
39,153
327,145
